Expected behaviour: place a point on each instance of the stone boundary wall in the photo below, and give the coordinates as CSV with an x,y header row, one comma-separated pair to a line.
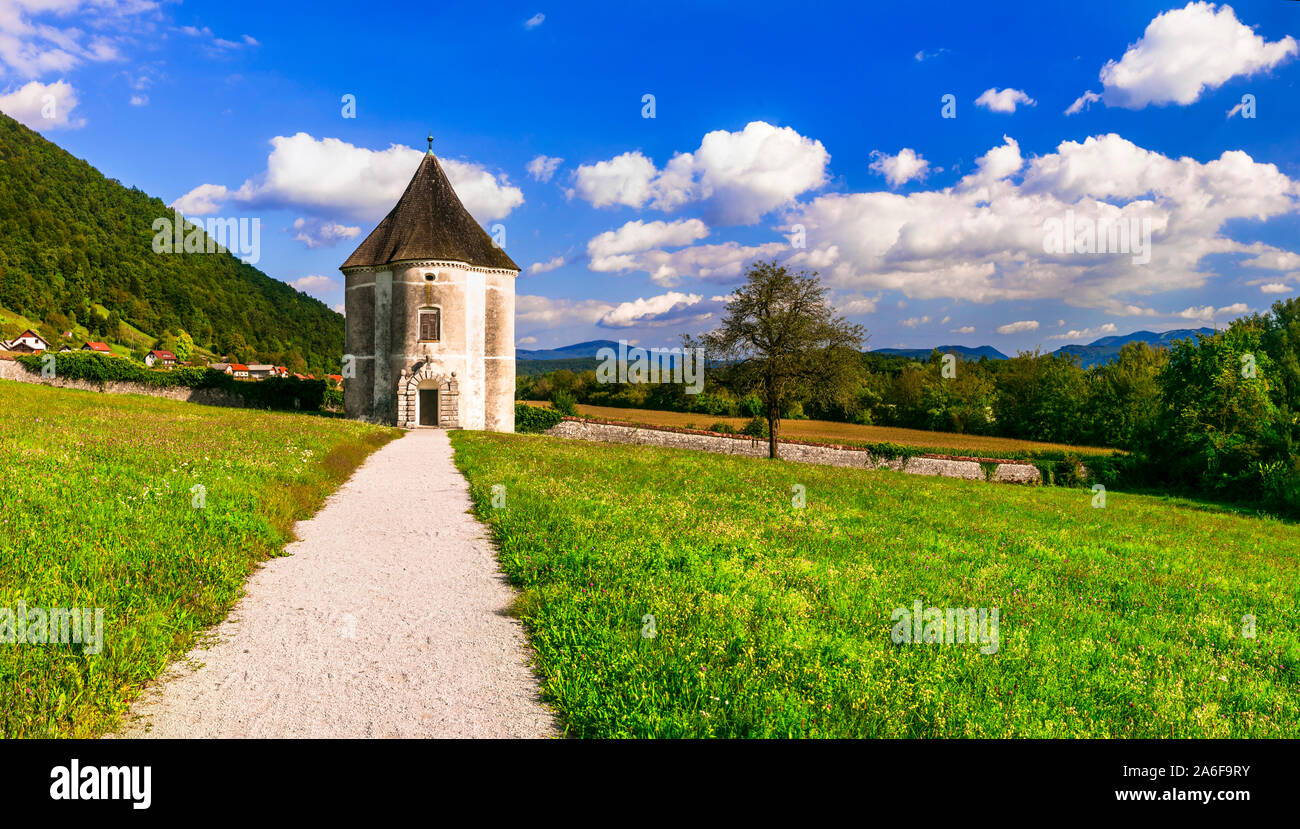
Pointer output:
x,y
803,452
11,370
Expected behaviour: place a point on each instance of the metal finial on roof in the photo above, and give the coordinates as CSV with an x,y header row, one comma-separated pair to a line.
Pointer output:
x,y
430,140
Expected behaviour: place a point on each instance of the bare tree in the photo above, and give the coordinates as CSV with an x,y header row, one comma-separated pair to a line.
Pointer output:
x,y
780,339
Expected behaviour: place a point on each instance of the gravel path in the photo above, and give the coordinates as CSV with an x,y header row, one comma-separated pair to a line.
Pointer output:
x,y
387,620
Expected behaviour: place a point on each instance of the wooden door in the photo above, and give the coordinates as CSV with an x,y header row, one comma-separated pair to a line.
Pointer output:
x,y
428,407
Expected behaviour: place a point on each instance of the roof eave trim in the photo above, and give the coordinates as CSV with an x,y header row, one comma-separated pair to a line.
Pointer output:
x,y
424,263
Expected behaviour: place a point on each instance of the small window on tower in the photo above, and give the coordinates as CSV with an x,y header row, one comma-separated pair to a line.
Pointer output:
x,y
430,325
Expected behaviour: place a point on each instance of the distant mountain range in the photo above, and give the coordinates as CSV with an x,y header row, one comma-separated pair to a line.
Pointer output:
x,y
1094,353
1107,348
568,352
964,350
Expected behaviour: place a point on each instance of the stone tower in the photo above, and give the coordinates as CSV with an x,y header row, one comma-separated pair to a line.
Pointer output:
x,y
430,302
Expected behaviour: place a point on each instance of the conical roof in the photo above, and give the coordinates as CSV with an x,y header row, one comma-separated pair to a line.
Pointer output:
x,y
429,222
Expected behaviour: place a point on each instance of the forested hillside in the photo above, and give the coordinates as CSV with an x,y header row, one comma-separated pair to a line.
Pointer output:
x,y
71,239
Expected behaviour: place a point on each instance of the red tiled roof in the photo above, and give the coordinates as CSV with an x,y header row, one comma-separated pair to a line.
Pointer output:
x,y
166,355
239,367
98,346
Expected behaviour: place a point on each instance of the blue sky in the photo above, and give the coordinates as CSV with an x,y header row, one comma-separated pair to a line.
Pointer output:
x,y
812,134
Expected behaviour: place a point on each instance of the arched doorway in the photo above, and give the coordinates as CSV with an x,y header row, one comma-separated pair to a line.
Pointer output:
x,y
426,398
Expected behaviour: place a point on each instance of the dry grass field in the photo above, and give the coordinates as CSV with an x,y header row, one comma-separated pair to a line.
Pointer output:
x,y
844,433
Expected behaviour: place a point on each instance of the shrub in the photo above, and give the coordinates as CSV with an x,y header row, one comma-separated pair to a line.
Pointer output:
x,y
534,418
565,403
723,427
756,427
288,393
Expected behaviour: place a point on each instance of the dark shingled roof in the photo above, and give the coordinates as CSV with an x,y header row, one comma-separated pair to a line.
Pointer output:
x,y
429,222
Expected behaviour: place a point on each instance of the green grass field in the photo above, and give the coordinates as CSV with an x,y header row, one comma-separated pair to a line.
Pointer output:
x,y
97,510
773,621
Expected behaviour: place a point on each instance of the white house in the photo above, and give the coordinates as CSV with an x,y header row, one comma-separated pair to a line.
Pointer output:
x,y
29,339
157,356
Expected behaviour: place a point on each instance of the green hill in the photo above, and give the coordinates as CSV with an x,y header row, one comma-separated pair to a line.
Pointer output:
x,y
71,240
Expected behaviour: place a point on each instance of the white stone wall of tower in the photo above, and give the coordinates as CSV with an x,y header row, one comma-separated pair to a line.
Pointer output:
x,y
452,355
499,352
476,347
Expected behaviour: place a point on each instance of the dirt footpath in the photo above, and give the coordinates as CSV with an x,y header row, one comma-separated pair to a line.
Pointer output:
x,y
387,620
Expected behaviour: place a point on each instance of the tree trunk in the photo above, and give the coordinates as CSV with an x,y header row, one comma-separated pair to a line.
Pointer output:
x,y
773,426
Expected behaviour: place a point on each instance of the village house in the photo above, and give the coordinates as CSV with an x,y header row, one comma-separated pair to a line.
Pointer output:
x,y
28,342
167,358
238,370
260,372
430,315
100,348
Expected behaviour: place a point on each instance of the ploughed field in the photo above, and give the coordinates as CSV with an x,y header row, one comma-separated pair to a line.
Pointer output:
x,y
152,510
684,594
849,434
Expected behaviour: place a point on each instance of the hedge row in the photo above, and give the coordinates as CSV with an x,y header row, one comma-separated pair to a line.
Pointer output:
x,y
288,393
535,418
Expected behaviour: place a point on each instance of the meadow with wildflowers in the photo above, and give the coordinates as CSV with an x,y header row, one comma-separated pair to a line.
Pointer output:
x,y
674,593
153,510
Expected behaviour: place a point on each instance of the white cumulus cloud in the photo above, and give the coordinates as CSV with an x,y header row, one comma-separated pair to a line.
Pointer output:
x,y
332,176
736,176
545,267
1184,53
655,311
639,235
1209,312
43,37
1018,327
983,239
1005,100
543,167
1075,334
314,282
43,106
713,263
901,168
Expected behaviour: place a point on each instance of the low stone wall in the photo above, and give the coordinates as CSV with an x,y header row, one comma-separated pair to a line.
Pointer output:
x,y
825,454
10,370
